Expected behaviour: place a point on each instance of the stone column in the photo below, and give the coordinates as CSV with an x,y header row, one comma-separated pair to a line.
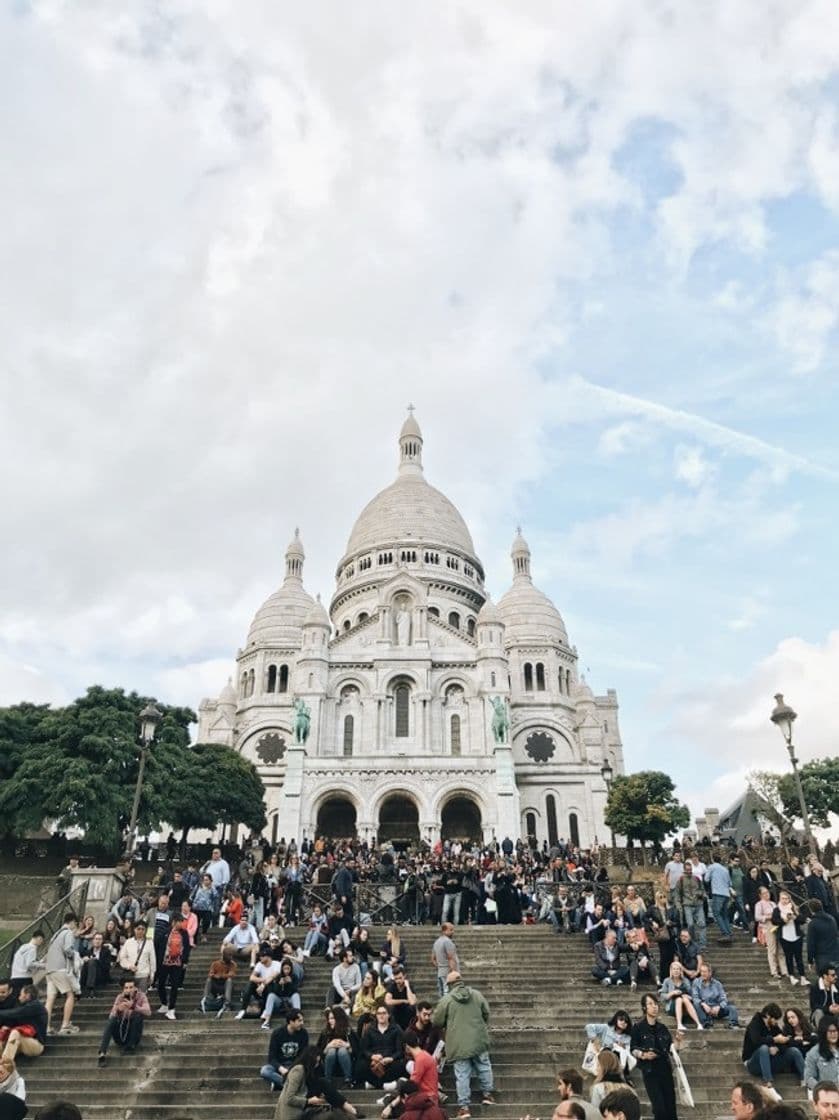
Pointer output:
x,y
104,886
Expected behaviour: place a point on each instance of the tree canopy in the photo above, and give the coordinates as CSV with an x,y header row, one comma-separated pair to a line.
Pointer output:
x,y
820,782
644,807
77,767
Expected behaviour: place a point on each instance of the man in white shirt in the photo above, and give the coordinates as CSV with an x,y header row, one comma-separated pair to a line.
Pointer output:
x,y
219,871
346,979
673,871
244,939
23,962
262,973
138,958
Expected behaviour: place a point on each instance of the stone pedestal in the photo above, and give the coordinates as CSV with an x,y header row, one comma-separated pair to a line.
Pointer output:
x,y
104,887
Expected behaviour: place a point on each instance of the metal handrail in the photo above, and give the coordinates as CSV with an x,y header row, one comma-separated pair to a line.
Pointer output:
x,y
50,922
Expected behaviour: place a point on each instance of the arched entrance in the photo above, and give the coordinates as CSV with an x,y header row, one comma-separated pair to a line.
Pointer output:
x,y
336,819
460,819
398,821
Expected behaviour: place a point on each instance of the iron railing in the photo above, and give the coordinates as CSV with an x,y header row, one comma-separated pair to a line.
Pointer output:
x,y
49,923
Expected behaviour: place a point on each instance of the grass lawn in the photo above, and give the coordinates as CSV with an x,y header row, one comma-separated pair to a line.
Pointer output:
x,y
7,935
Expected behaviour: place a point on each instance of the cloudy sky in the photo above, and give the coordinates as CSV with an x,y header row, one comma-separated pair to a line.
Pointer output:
x,y
597,246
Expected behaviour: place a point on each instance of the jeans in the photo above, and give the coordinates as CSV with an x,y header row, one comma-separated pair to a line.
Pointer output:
x,y
274,1001
341,1058
442,986
763,1064
269,1074
617,974
481,1067
314,941
452,901
126,1034
695,922
719,908
727,1014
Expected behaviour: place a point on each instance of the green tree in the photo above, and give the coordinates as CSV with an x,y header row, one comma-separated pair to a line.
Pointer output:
x,y
820,782
81,769
644,807
20,726
213,785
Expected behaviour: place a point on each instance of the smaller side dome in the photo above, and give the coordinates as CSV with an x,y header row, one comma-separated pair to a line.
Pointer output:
x,y
582,693
489,615
317,616
228,694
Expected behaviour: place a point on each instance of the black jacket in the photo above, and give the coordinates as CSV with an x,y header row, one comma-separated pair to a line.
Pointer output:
x,y
285,1047
655,1036
821,998
757,1034
32,1012
388,1044
822,939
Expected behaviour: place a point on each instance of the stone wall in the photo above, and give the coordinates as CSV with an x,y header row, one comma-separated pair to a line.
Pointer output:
x,y
24,896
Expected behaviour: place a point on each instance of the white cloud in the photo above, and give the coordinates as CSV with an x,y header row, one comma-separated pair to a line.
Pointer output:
x,y
807,311
691,466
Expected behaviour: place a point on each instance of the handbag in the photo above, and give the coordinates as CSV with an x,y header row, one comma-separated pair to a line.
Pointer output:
x,y
683,1090
589,1062
491,906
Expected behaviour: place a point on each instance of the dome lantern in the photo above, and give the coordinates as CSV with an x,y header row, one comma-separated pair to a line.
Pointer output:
x,y
294,557
520,553
410,445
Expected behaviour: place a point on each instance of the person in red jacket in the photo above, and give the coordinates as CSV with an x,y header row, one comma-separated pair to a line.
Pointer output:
x,y
424,1072
171,971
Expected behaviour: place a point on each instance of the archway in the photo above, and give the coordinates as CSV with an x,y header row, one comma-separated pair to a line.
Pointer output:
x,y
460,819
398,821
336,819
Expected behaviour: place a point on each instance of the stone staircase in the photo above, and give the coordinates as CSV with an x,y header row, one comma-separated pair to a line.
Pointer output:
x,y
540,993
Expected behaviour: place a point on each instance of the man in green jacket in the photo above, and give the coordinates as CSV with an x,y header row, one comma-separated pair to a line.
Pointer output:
x,y
464,1014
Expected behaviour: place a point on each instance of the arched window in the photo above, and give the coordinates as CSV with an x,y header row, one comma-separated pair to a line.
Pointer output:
x,y
363,616
347,624
454,619
530,829
561,686
271,685
528,677
434,612
574,829
550,805
492,680
470,627
540,677
283,679
402,703
243,685
568,681
251,682
455,735
349,728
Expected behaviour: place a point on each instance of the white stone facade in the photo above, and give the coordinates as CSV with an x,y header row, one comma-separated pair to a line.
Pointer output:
x,y
398,677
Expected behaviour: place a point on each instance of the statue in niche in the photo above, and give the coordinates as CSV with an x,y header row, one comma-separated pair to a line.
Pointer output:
x,y
500,719
403,625
302,721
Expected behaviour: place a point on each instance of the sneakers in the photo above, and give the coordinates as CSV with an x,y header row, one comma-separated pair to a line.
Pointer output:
x,y
307,952
804,982
239,1015
618,983
71,1028
265,1025
390,1086
101,1059
386,1099
605,981
463,1114
633,986
367,1085
221,1010
202,1006
162,1010
699,1027
772,1092
170,1014
488,1099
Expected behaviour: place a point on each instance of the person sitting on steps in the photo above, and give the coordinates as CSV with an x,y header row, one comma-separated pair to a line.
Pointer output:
x,y
607,967
125,1022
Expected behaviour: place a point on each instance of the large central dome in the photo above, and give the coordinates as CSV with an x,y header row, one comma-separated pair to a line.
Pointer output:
x,y
409,509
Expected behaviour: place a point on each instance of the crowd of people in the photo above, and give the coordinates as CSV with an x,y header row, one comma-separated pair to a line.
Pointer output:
x,y
281,906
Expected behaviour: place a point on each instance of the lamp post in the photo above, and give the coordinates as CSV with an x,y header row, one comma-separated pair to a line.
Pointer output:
x,y
607,773
150,717
783,716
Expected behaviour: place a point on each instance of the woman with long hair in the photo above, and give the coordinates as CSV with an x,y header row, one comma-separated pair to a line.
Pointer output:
x,y
797,1029
261,893
613,1035
787,922
767,933
659,928
609,1076
336,1044
306,1092
751,894
368,997
822,1061
675,992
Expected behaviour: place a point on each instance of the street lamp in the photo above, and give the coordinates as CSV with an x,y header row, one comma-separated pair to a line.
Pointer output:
x,y
150,717
607,773
783,716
